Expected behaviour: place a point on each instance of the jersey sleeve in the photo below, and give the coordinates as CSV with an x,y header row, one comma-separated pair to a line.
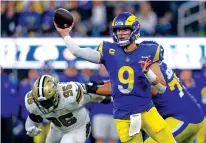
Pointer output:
x,y
100,48
156,51
90,97
70,92
158,54
82,97
103,50
78,96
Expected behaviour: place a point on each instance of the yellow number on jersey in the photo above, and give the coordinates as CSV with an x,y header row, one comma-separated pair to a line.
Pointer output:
x,y
173,82
129,80
29,99
67,90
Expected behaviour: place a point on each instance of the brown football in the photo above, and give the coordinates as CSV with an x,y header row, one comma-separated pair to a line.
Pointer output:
x,y
63,18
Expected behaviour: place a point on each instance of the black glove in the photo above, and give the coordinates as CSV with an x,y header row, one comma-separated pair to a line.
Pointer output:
x,y
35,118
93,85
107,100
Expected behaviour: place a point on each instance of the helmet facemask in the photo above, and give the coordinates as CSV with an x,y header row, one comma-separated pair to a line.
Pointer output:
x,y
48,105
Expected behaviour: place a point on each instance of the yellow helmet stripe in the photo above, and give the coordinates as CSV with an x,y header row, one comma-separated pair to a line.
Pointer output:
x,y
113,22
130,20
41,83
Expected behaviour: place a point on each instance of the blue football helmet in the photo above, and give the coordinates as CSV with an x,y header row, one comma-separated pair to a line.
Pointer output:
x,y
126,20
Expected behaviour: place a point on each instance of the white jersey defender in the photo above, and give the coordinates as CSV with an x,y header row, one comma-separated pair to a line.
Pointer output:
x,y
61,104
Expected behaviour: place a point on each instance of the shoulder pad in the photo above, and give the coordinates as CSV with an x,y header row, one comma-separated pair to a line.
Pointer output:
x,y
71,97
108,44
156,50
68,91
29,103
103,46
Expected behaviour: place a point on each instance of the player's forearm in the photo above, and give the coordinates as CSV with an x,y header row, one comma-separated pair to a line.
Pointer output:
x,y
100,98
29,122
154,90
104,90
107,82
158,82
84,53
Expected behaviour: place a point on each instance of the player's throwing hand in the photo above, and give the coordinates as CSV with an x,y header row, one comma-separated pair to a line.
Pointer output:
x,y
145,64
63,32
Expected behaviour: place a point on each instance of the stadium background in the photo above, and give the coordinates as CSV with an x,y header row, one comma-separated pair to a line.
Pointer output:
x,y
29,42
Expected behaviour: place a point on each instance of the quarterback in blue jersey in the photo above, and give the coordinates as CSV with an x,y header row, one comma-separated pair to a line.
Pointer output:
x,y
176,105
133,108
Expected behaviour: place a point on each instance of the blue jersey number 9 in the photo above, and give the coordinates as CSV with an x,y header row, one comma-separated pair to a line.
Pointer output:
x,y
129,81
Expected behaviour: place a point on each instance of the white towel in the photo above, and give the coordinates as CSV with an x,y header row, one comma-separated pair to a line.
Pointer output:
x,y
135,124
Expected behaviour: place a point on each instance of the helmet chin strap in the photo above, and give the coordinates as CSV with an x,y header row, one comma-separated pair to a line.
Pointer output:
x,y
124,43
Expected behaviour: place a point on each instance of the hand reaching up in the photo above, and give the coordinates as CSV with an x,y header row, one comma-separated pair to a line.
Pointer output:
x,y
145,64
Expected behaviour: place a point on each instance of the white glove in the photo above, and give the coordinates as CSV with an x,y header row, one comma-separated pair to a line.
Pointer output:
x,y
33,131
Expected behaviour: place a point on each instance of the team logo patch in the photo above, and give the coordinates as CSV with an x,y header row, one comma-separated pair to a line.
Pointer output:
x,y
119,23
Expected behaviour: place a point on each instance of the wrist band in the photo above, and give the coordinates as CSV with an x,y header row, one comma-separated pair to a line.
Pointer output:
x,y
150,76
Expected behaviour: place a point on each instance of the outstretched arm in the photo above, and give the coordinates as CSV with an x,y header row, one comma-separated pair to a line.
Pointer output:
x,y
88,93
99,91
105,89
102,88
84,53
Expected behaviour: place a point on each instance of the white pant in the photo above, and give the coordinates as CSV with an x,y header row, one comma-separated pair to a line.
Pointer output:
x,y
78,135
103,127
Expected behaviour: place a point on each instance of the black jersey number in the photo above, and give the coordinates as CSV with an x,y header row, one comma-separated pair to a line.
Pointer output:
x,y
64,120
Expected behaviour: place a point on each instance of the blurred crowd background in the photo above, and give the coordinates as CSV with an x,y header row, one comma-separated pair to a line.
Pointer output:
x,y
92,19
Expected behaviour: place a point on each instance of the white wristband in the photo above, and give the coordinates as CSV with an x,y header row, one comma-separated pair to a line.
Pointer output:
x,y
161,88
150,76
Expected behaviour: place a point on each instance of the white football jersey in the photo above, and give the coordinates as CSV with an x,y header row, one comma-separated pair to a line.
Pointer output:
x,y
70,113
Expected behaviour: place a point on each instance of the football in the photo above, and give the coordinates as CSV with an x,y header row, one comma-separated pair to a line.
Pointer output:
x,y
63,18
